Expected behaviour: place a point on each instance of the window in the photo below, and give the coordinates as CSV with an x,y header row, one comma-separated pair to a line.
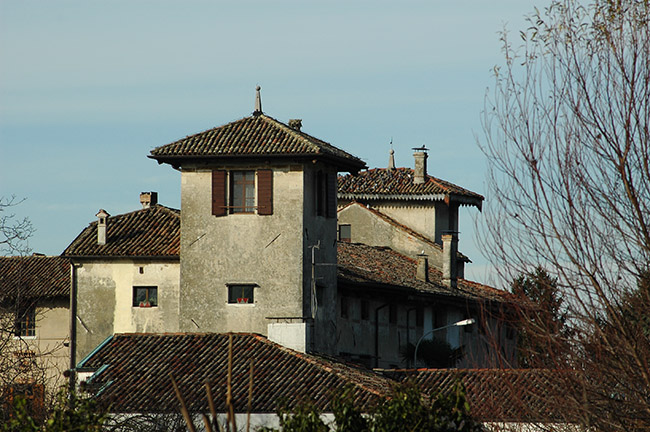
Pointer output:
x,y
26,322
392,314
419,317
325,194
345,233
365,310
242,191
145,296
344,307
234,192
241,293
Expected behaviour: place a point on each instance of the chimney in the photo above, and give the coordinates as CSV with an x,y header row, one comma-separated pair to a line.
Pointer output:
x,y
420,172
148,199
449,259
102,221
295,124
423,267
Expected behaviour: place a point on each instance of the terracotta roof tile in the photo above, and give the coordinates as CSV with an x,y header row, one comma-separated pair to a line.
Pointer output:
x,y
502,395
258,135
138,366
152,232
382,183
34,277
361,264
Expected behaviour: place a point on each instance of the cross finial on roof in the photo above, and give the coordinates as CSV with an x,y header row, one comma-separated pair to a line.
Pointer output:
x,y
391,158
258,101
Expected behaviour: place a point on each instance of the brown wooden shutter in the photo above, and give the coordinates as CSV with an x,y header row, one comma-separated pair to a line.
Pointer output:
x,y
219,193
265,192
331,195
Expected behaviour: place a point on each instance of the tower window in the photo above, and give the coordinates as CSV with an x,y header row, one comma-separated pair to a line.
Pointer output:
x,y
242,191
145,296
241,293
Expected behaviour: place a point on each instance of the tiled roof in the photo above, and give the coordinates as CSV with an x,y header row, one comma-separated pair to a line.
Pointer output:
x,y
503,395
34,277
258,135
382,183
376,266
136,377
152,232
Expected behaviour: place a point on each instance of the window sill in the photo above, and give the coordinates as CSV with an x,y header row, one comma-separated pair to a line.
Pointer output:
x,y
241,304
24,337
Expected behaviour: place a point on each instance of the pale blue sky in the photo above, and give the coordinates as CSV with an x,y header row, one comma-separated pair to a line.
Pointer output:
x,y
88,88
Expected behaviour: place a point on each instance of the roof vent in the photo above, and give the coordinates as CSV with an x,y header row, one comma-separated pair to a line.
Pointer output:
x,y
102,221
148,199
295,124
420,156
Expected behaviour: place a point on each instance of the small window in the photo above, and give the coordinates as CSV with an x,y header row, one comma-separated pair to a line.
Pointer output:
x,y
345,306
419,317
242,191
392,314
320,295
365,310
26,322
241,294
345,233
145,296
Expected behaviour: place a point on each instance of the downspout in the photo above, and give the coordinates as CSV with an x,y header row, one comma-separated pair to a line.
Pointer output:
x,y
73,326
377,333
408,327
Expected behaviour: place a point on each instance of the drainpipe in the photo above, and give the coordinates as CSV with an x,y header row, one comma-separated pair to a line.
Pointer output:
x,y
73,326
377,332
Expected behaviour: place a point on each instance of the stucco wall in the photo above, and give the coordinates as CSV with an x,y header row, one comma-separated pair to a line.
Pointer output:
x,y
370,229
105,296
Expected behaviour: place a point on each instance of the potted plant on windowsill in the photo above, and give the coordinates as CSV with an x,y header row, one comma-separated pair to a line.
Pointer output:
x,y
242,300
145,304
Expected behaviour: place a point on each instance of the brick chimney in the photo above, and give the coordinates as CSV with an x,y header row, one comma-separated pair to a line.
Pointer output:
x,y
148,199
102,221
449,259
420,172
295,124
423,267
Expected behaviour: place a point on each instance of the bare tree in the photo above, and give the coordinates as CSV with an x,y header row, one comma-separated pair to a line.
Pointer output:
x,y
568,143
14,231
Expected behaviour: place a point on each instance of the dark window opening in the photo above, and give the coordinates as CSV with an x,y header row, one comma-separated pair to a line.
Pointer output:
x,y
242,191
320,294
392,314
419,317
344,307
345,233
145,296
365,310
241,294
26,322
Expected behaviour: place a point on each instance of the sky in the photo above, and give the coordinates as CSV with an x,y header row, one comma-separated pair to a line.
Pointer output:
x,y
89,88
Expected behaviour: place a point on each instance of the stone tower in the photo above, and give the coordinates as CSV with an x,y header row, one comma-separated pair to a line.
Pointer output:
x,y
258,230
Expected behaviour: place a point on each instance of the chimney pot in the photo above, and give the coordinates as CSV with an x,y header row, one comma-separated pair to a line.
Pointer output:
x,y
102,222
423,268
420,172
148,199
295,124
450,259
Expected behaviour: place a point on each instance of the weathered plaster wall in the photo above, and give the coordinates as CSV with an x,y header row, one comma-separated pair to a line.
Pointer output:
x,y
105,296
240,248
370,229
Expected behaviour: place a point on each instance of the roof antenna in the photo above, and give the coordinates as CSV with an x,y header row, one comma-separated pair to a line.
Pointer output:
x,y
391,158
258,101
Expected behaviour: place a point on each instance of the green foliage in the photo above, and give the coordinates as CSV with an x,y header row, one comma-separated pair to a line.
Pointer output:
x,y
541,320
72,413
304,418
348,418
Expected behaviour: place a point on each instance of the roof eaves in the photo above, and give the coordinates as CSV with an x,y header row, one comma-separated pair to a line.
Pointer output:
x,y
413,197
